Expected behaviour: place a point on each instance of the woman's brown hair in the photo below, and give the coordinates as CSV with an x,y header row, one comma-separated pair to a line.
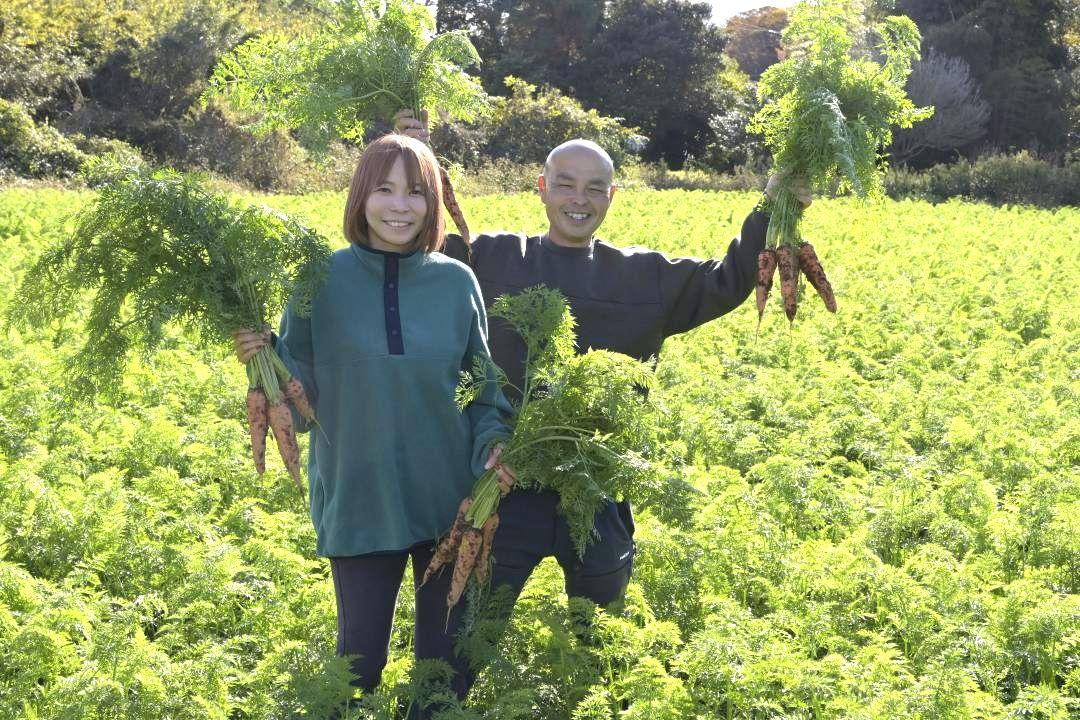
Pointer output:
x,y
422,170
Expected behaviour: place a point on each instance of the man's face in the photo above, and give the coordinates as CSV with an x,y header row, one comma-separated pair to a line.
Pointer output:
x,y
576,191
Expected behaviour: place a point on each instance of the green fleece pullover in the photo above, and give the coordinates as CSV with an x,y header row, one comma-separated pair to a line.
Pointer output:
x,y
380,358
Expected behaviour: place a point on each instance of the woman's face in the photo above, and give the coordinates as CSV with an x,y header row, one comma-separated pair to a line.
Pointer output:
x,y
394,211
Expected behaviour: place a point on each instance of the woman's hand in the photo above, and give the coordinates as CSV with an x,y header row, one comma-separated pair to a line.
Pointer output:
x,y
406,124
504,475
247,342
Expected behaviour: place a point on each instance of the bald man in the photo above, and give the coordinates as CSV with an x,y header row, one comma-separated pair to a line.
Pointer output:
x,y
627,300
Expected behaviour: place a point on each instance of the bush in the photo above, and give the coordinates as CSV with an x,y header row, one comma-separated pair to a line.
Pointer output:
x,y
46,48
267,162
527,125
34,150
659,177
1019,179
499,176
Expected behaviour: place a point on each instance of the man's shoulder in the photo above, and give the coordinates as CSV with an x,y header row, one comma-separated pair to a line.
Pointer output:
x,y
501,241
487,244
631,254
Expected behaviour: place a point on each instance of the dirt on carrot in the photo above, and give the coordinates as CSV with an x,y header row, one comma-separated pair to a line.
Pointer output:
x,y
766,268
789,280
471,542
281,423
483,562
448,548
815,274
258,424
294,391
450,200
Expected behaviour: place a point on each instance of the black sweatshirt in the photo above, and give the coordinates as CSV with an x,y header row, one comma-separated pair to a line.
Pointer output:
x,y
627,300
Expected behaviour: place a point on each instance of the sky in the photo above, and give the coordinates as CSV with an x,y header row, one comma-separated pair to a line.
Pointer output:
x,y
723,9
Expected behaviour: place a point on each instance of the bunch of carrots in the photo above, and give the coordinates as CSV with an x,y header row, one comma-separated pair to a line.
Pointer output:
x,y
827,112
791,258
584,428
467,545
156,248
271,387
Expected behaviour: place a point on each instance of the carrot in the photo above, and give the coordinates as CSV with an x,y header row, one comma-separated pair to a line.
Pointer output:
x,y
811,267
766,266
448,548
487,534
282,424
294,390
450,200
257,426
471,541
789,278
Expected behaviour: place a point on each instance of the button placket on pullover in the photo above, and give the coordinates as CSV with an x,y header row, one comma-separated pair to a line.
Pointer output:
x,y
392,264
391,306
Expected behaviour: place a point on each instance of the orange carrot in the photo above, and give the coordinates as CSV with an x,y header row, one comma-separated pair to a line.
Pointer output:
x,y
471,541
450,200
789,278
294,390
257,426
448,548
487,534
766,266
282,424
811,267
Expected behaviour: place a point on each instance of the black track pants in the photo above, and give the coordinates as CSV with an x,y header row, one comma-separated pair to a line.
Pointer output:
x,y
367,587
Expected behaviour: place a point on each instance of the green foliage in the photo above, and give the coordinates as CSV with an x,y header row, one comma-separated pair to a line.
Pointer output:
x,y
826,114
34,150
47,46
584,427
650,65
1019,179
157,248
1021,55
367,60
146,571
526,125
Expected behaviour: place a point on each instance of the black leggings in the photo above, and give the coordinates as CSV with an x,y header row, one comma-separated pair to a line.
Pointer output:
x,y
367,587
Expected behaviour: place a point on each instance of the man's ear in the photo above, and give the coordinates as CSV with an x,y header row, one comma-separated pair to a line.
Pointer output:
x,y
611,192
541,185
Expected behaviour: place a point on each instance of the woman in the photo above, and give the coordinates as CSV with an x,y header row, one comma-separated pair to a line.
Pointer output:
x,y
380,356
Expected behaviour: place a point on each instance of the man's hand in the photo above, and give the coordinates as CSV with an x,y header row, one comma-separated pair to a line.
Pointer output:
x,y
797,184
406,124
247,342
504,475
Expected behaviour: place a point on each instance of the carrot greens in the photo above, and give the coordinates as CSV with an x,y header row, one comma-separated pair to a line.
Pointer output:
x,y
157,248
370,59
585,428
828,112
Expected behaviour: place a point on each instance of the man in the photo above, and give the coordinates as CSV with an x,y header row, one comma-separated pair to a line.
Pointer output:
x,y
624,300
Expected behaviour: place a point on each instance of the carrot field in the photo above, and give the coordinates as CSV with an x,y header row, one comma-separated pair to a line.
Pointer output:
x,y
888,523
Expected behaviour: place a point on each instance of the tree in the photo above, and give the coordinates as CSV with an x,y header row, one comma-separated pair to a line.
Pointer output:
x,y
1018,56
536,40
731,144
46,47
652,64
754,39
960,115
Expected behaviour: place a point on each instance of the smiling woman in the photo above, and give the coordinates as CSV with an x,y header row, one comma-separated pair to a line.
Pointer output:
x,y
388,335
396,183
